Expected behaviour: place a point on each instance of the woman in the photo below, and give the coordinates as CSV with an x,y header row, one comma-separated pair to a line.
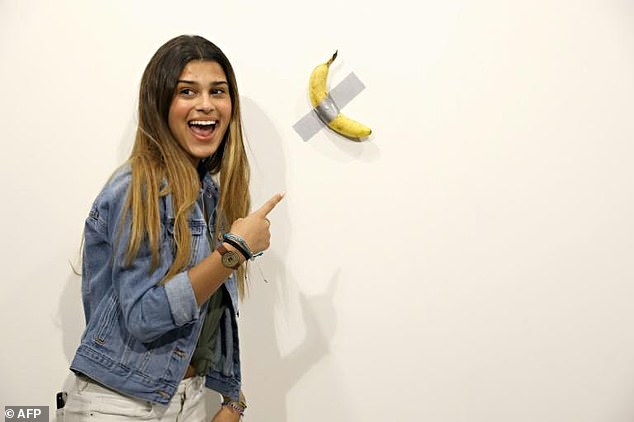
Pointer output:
x,y
162,268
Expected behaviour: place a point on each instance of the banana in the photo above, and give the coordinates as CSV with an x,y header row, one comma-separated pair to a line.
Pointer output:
x,y
327,110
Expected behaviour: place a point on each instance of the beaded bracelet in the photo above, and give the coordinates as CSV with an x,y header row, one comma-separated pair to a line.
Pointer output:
x,y
237,406
234,407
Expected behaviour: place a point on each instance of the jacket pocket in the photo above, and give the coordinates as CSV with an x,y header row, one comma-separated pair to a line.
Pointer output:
x,y
197,229
107,320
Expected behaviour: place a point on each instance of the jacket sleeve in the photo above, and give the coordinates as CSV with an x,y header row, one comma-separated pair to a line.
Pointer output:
x,y
149,309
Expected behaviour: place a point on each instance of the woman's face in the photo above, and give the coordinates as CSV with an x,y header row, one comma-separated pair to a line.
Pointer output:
x,y
201,109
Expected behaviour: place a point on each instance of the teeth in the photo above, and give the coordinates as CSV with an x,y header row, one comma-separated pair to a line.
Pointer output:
x,y
203,122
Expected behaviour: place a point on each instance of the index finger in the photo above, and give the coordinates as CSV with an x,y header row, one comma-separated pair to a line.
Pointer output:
x,y
269,205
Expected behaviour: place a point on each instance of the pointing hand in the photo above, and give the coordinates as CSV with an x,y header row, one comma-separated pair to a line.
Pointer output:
x,y
255,227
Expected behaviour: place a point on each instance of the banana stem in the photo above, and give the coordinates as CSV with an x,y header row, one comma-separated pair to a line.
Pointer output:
x,y
332,59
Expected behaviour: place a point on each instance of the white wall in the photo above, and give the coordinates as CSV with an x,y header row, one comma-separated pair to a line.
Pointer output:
x,y
471,262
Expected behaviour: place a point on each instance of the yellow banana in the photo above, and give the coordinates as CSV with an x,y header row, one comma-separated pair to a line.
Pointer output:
x,y
326,108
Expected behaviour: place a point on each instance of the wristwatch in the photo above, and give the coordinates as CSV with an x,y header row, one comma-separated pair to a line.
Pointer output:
x,y
230,259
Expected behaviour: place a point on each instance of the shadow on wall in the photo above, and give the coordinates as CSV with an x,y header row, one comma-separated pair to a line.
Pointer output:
x,y
71,320
269,376
71,315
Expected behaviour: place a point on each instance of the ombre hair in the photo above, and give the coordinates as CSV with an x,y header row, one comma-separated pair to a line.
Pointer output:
x,y
157,156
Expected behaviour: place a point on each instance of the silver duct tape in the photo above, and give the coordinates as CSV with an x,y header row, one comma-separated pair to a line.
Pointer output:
x,y
308,125
341,95
346,90
327,110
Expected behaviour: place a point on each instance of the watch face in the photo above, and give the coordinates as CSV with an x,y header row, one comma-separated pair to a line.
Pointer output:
x,y
230,259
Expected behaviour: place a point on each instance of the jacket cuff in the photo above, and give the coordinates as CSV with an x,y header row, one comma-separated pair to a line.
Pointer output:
x,y
182,300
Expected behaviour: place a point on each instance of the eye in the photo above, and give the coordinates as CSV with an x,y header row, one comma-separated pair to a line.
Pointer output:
x,y
187,92
218,91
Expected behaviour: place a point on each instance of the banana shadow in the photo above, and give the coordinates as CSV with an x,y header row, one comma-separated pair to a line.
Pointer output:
x,y
365,151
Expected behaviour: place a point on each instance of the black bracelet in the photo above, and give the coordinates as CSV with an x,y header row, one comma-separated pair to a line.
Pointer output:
x,y
239,247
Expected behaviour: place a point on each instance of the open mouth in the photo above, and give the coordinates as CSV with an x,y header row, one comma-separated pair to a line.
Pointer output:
x,y
202,128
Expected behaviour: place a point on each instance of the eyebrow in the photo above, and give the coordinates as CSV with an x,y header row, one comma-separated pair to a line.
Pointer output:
x,y
181,81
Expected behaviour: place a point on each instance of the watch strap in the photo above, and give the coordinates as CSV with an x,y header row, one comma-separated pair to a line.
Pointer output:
x,y
239,247
228,256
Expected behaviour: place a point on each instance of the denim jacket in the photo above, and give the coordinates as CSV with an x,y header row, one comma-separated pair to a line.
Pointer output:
x,y
140,334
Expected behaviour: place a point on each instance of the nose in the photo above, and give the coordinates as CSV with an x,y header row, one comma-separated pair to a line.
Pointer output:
x,y
205,103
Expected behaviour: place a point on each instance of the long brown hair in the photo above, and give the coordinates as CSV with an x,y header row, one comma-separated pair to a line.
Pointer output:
x,y
157,156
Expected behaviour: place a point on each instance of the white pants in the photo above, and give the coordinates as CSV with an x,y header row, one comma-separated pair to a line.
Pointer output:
x,y
89,401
